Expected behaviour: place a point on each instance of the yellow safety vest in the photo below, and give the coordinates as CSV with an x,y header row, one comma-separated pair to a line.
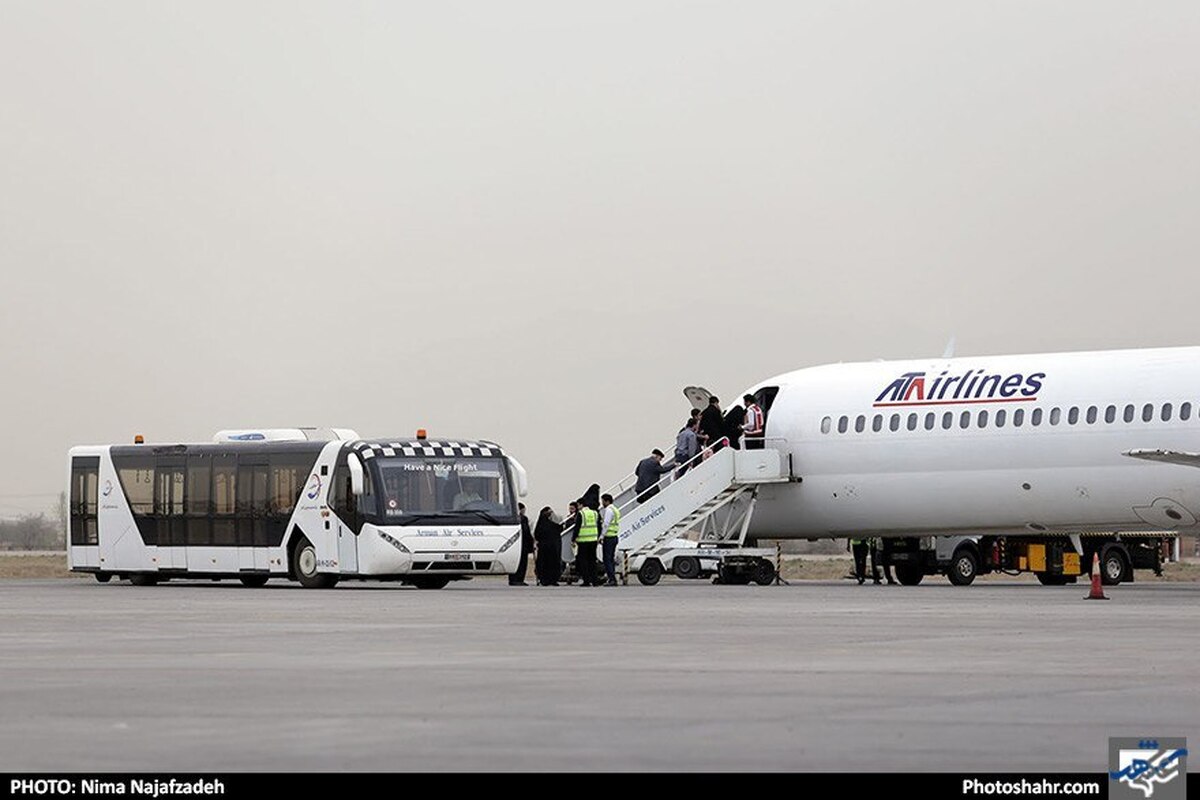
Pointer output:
x,y
614,527
589,530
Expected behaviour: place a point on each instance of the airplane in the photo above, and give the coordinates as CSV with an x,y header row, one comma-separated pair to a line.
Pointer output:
x,y
999,446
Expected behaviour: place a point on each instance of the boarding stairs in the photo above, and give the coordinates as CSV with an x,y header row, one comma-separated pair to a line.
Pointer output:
x,y
713,499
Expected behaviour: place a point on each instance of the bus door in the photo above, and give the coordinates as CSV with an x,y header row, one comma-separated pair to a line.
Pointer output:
x,y
84,537
346,518
252,515
170,521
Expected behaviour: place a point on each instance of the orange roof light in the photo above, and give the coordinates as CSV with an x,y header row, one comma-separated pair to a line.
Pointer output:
x,y
421,434
139,439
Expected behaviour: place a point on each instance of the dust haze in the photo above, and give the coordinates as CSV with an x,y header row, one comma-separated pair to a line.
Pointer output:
x,y
536,222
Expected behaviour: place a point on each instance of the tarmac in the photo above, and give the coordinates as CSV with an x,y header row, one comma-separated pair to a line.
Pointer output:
x,y
680,676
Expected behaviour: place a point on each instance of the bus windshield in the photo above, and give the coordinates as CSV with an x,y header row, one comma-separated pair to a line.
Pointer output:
x,y
451,489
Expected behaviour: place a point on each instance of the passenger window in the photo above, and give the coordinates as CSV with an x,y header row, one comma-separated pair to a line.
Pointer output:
x,y
224,492
1018,417
342,499
1147,412
1073,415
877,423
288,478
912,422
860,424
1055,415
1185,411
983,415
947,420
964,420
826,424
137,480
1035,418
1110,414
1091,415
1001,416
894,422
199,483
1129,411
930,420
843,424
1166,412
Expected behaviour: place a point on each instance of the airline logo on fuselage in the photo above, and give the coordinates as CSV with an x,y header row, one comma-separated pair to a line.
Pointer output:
x,y
976,386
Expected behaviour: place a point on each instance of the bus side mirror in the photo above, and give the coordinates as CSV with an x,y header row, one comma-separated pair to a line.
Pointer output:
x,y
522,478
356,474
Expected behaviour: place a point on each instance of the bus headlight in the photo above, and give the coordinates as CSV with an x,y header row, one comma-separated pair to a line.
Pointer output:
x,y
394,542
511,541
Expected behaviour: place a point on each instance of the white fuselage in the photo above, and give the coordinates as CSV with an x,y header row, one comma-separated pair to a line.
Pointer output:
x,y
864,472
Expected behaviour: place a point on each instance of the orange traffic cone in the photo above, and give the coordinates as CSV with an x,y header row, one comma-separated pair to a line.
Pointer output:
x,y
1097,592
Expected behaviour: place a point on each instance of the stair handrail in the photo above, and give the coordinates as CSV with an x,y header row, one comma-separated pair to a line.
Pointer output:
x,y
667,477
670,477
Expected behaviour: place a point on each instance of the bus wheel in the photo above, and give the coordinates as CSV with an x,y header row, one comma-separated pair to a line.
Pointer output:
x,y
650,571
909,574
254,581
304,564
763,572
103,577
430,581
1112,567
686,567
963,567
143,579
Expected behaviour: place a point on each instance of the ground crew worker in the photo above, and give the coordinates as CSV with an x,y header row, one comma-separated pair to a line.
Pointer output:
x,y
586,534
879,549
611,523
754,425
860,547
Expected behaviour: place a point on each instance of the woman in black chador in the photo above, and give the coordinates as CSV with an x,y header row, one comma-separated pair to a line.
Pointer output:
x,y
548,535
591,498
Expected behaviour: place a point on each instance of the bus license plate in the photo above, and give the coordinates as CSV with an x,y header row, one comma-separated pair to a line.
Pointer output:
x,y
458,556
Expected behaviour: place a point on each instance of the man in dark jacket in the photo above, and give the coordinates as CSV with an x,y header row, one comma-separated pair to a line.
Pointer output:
x,y
649,470
712,423
518,577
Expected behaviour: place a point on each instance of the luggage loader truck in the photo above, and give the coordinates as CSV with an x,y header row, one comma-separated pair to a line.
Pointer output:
x,y
1055,559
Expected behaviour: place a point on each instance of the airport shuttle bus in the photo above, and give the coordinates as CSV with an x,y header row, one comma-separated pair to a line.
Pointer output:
x,y
311,505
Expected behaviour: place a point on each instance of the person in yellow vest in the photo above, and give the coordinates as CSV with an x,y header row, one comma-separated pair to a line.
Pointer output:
x,y
610,522
586,533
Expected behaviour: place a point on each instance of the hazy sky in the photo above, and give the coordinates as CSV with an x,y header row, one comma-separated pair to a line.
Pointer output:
x,y
536,222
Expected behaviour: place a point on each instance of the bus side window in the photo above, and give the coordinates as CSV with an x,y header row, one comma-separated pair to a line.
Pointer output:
x,y
342,499
289,476
199,490
224,496
339,491
366,503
